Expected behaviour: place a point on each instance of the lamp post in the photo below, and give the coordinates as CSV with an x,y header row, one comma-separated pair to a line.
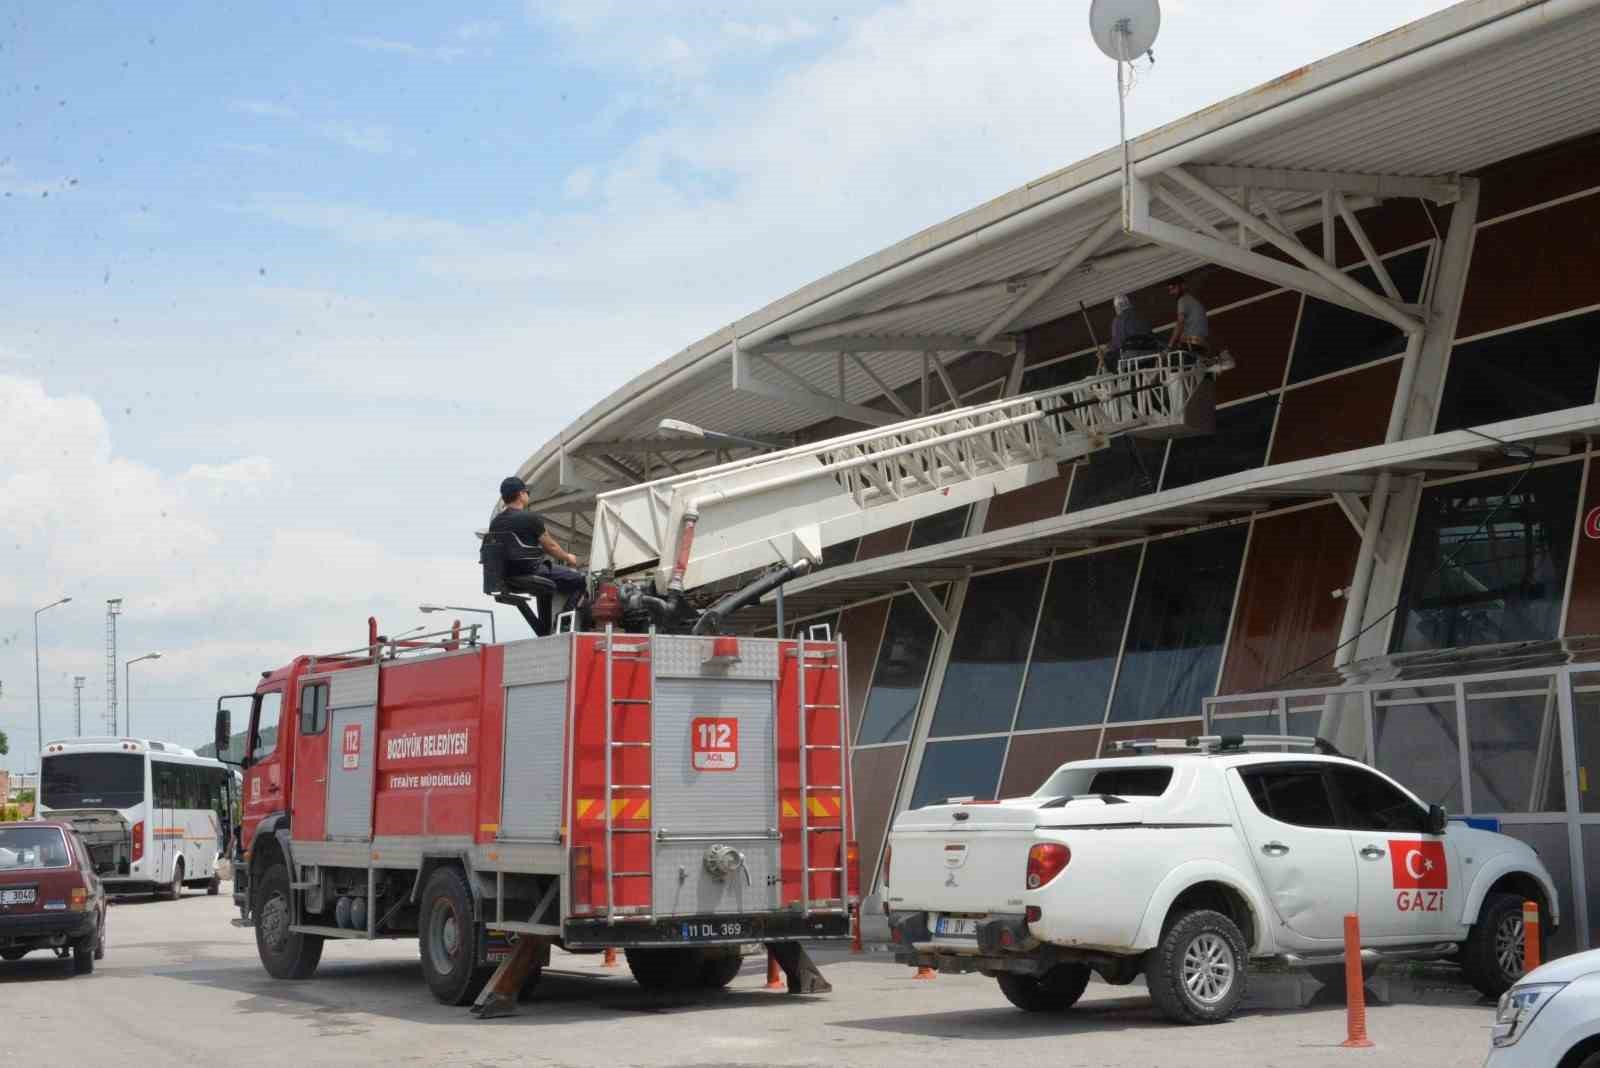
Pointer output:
x,y
38,698
127,686
461,608
715,438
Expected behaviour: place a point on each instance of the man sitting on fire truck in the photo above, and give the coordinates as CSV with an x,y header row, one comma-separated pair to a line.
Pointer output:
x,y
534,550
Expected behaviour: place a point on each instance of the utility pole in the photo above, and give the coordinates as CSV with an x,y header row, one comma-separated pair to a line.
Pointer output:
x,y
113,610
77,706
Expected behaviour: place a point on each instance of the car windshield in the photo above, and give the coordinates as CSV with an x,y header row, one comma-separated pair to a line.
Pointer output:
x,y
93,780
32,847
1070,781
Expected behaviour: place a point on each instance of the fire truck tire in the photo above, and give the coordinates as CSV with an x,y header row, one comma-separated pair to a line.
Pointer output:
x,y
448,936
719,970
284,953
676,968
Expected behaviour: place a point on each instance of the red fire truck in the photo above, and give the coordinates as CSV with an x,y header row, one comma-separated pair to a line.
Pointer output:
x,y
675,796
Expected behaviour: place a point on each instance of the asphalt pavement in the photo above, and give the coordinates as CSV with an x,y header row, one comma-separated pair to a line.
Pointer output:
x,y
179,984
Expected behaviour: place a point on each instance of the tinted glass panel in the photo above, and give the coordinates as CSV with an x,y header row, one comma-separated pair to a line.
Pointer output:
x,y
1240,443
93,780
1080,632
841,553
1293,796
959,769
939,527
1127,468
980,685
1541,369
1418,744
1586,720
1488,565
1373,804
1332,338
1180,618
1514,755
1056,374
898,676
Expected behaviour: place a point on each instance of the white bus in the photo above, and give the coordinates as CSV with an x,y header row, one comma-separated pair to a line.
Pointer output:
x,y
155,816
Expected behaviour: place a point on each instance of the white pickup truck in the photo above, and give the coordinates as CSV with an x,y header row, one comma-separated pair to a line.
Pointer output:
x,y
1187,859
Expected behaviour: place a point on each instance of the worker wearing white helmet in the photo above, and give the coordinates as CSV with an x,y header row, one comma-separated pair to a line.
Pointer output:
x,y
1127,326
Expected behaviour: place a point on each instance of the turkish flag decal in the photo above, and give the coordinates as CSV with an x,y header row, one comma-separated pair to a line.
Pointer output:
x,y
1418,865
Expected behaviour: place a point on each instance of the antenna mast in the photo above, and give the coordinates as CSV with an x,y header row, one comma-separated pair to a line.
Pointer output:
x,y
77,706
113,610
1123,29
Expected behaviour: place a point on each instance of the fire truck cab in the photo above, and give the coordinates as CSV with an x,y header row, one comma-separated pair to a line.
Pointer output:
x,y
674,796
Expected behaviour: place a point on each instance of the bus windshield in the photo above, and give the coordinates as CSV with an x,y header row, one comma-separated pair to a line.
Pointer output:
x,y
93,780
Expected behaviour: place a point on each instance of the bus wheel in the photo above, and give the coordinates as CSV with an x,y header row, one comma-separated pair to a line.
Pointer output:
x,y
284,953
174,889
448,933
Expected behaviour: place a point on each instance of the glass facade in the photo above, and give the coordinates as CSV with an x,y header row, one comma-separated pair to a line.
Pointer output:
x,y
1128,467
897,677
1333,338
1419,744
1489,560
1538,369
1239,444
980,687
938,528
1080,634
1179,621
969,768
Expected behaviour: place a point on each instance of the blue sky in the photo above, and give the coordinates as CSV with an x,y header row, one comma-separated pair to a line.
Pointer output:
x,y
290,289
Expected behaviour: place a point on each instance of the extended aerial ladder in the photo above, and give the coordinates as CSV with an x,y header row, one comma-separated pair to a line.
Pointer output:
x,y
784,508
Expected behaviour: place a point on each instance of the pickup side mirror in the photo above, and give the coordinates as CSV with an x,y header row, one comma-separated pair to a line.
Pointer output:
x,y
1436,819
222,737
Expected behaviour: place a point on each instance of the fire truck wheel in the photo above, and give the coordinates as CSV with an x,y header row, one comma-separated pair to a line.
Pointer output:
x,y
666,969
284,953
719,970
448,937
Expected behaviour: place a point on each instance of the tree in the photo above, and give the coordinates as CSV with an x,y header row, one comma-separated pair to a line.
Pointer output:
x,y
5,746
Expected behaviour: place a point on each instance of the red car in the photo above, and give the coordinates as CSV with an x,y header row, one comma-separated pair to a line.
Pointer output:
x,y
50,897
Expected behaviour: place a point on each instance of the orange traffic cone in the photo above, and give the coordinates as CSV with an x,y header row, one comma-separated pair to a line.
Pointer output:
x,y
774,973
610,958
1354,987
925,972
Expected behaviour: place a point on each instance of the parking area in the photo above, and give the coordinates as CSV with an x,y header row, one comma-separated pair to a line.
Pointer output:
x,y
179,983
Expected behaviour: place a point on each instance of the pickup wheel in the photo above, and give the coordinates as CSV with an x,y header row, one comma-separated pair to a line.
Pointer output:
x,y
1054,991
1197,973
1491,957
448,936
676,968
285,954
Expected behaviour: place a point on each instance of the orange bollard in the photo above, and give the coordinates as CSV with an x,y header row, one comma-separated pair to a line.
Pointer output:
x,y
1355,991
1530,936
855,938
610,960
774,973
925,972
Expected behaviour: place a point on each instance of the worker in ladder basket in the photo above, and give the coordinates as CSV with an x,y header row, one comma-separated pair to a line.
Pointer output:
x,y
1130,332
1191,329
534,550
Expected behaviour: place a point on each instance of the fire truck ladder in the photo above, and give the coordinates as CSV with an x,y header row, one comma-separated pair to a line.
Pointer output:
x,y
704,526
828,660
636,651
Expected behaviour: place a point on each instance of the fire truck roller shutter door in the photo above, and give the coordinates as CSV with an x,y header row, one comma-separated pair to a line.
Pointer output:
x,y
711,800
530,800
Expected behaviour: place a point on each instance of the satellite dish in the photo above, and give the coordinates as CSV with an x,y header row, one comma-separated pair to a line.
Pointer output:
x,y
1124,29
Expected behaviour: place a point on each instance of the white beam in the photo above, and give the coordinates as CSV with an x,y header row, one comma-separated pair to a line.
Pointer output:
x,y
944,379
1359,232
1329,255
1048,281
1247,262
890,317
1171,199
747,382
889,343
1353,510
1440,190
930,603
894,398
1376,305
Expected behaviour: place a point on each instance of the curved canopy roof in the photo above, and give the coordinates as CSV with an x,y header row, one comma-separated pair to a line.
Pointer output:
x,y
1480,82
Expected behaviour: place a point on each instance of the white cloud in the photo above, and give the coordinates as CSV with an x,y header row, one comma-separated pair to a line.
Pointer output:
x,y
361,136
579,183
263,108
477,30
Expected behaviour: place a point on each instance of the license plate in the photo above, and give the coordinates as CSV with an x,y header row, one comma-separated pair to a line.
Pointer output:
x,y
716,929
18,897
951,925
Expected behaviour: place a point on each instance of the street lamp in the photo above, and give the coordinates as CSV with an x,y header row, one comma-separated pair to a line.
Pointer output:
x,y
714,438
127,687
461,608
38,698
